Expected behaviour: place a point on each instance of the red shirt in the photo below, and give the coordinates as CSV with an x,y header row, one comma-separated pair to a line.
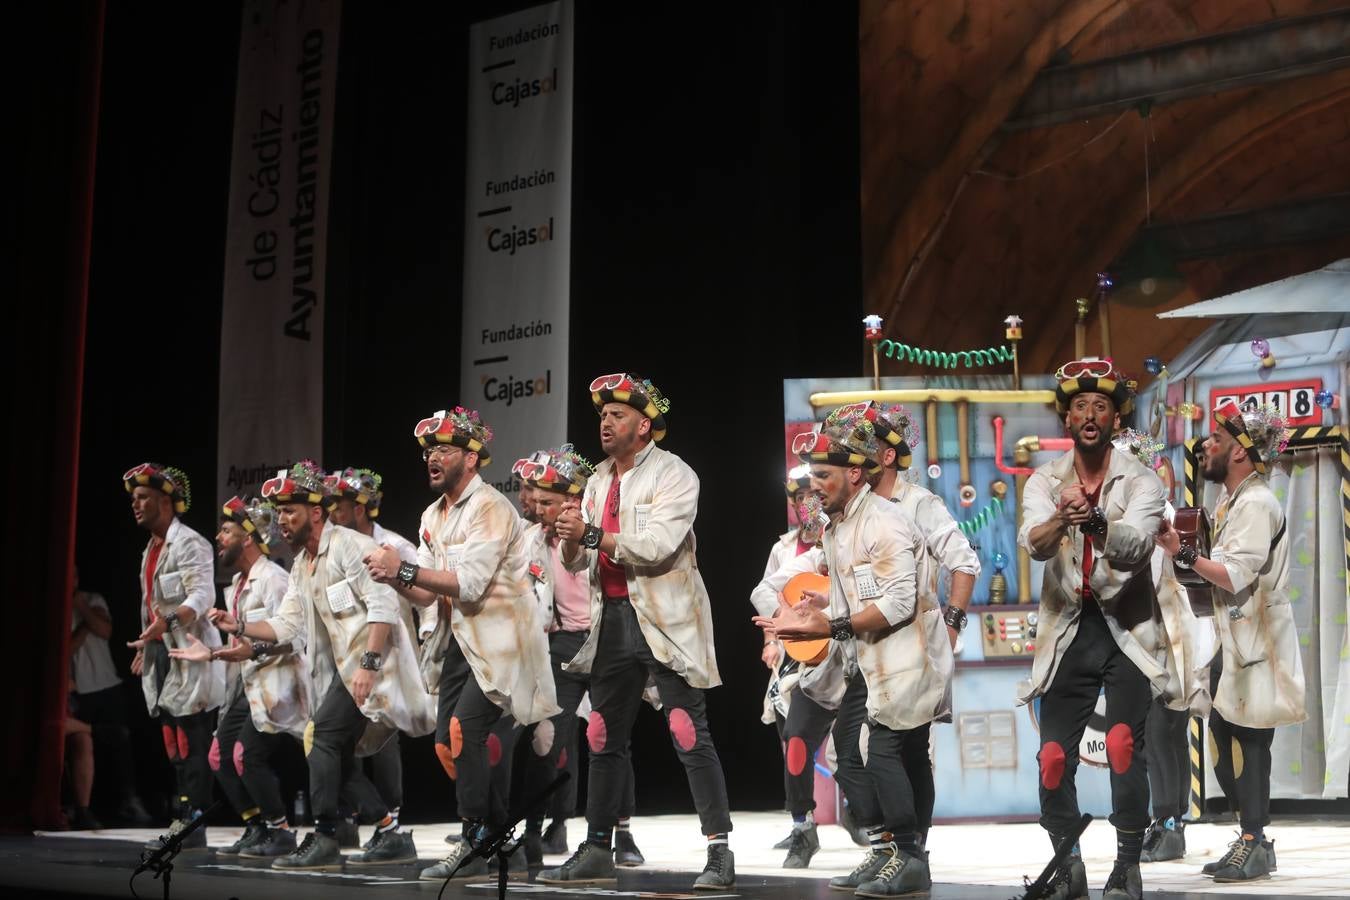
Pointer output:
x,y
1087,547
151,564
613,578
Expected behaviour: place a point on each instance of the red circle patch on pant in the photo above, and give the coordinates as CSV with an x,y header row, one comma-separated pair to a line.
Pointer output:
x,y
796,755
213,755
447,761
1052,765
682,729
1120,748
494,749
596,732
239,758
170,742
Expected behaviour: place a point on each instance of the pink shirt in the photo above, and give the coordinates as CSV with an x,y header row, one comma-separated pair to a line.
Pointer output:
x,y
571,594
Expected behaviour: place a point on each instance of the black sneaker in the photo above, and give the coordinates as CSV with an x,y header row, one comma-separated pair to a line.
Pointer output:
x,y
626,852
277,842
720,870
317,852
254,831
901,876
805,844
83,820
348,834
850,824
865,871
1124,883
1269,847
1166,844
386,848
555,838
590,864
473,867
1210,868
133,811
786,842
1069,881
1248,861
194,841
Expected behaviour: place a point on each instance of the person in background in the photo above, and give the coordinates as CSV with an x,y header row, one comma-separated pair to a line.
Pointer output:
x,y
96,696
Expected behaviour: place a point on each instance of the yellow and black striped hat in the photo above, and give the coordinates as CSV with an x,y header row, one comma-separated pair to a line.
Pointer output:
x,y
1093,375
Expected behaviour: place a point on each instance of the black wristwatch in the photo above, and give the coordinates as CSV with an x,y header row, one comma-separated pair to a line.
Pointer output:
x,y
841,629
171,621
407,573
590,538
261,649
1186,556
371,661
1096,523
955,616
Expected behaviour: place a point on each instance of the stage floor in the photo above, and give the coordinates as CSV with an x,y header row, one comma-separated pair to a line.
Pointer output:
x,y
986,862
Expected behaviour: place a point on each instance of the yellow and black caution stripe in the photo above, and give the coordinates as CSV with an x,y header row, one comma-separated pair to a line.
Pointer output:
x,y
1188,450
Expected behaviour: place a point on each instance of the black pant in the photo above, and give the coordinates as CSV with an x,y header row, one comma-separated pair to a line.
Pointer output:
x,y
802,732
554,748
623,662
386,771
1168,754
105,712
333,767
187,741
1094,660
879,793
227,754
475,741
1247,789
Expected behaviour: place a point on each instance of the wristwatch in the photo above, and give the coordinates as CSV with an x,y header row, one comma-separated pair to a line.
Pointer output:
x,y
371,661
261,649
1096,523
590,538
1186,556
171,621
841,629
407,573
955,616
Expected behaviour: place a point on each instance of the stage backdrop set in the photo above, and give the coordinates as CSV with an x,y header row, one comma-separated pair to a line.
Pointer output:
x,y
980,440
276,242
1295,357
517,232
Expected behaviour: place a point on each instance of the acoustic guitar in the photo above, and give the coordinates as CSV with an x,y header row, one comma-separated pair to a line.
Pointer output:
x,y
806,652
1191,524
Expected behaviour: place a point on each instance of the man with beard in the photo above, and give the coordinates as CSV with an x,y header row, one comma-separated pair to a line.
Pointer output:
x,y
356,498
1091,516
650,619
177,590
363,668
1260,679
895,676
489,641
556,479
946,549
266,695
527,510
802,723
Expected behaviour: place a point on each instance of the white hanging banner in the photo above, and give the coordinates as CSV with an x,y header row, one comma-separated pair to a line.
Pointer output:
x,y
517,235
271,335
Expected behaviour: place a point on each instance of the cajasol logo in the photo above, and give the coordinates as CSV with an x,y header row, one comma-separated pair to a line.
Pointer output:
x,y
510,389
514,237
512,93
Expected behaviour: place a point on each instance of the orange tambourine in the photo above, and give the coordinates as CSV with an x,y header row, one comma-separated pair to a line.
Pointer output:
x,y
807,652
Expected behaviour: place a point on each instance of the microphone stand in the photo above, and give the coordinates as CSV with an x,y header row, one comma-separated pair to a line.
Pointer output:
x,y
160,860
1037,889
496,843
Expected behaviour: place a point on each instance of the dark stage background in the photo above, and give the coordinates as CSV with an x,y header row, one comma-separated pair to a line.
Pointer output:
x,y
715,249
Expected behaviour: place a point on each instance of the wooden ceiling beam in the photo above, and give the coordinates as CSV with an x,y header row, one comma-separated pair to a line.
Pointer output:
x,y
1262,54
